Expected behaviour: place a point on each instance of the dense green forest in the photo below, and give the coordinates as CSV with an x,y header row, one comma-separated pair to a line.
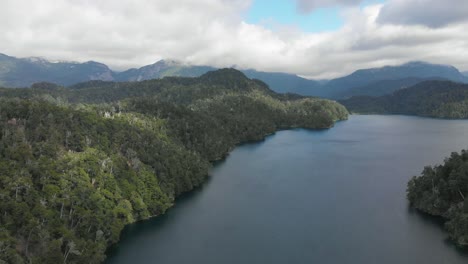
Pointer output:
x,y
79,163
443,191
441,99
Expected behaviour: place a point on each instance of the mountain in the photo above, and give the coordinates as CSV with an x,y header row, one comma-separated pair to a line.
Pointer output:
x,y
23,72
279,82
465,73
340,88
162,69
441,99
384,87
285,83
80,163
16,72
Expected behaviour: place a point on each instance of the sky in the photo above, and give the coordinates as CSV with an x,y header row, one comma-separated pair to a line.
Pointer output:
x,y
312,38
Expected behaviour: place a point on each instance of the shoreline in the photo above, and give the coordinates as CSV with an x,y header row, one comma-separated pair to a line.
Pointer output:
x,y
214,163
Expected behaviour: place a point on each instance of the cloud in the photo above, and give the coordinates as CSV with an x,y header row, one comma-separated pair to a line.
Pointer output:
x,y
122,33
430,13
132,33
306,6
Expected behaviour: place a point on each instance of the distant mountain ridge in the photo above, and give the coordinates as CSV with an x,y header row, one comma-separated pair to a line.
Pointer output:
x,y
339,88
23,72
285,82
441,99
384,87
160,69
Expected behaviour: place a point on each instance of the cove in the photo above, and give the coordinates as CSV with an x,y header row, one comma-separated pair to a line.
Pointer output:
x,y
302,196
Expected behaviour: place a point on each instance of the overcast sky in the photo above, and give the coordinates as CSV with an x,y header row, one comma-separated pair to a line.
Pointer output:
x,y
312,38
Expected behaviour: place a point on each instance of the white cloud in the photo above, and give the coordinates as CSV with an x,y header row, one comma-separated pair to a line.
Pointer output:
x,y
130,33
122,33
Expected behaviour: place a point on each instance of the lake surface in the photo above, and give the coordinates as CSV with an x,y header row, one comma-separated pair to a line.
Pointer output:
x,y
301,196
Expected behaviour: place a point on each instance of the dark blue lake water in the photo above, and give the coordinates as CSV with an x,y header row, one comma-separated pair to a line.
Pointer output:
x,y
301,196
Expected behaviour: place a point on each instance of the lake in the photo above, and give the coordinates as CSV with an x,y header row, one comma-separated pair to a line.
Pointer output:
x,y
302,196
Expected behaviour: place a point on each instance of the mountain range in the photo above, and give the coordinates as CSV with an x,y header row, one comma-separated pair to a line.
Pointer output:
x,y
393,77
440,99
23,72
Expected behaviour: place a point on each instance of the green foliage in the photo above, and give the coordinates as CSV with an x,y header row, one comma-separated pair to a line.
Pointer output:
x,y
443,191
73,175
441,99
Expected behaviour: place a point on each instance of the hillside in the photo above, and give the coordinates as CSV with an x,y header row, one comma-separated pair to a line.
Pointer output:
x,y
442,99
74,173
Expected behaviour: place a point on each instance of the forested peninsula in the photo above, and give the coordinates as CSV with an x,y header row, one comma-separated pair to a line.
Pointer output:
x,y
79,163
442,191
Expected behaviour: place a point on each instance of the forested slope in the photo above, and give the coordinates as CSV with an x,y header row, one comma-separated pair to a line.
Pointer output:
x,y
443,191
80,163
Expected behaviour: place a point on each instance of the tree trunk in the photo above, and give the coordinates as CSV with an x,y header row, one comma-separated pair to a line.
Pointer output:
x,y
61,211
66,256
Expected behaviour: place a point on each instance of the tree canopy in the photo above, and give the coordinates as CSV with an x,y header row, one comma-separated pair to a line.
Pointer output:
x,y
443,191
78,164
